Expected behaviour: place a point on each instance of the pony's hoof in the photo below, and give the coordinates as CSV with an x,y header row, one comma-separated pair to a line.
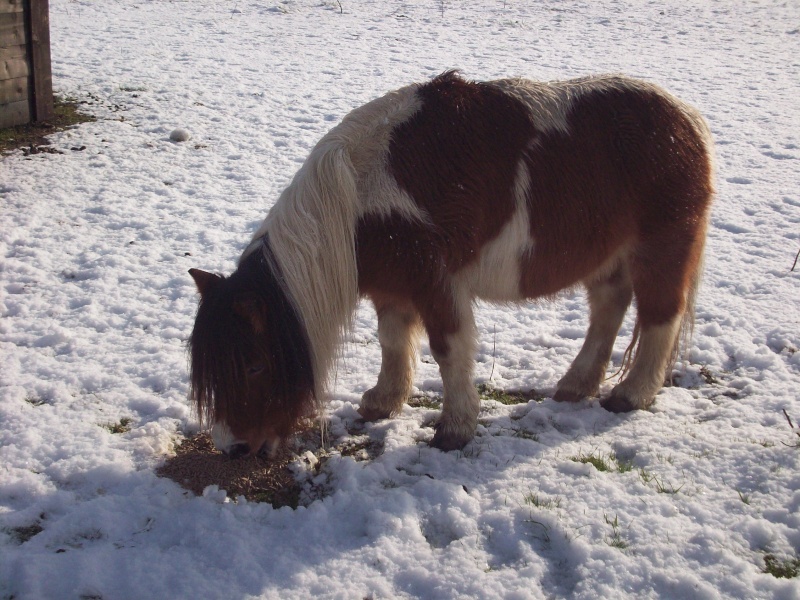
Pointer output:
x,y
448,440
617,404
373,414
568,396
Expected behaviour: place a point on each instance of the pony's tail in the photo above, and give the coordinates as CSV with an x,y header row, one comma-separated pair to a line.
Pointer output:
x,y
684,338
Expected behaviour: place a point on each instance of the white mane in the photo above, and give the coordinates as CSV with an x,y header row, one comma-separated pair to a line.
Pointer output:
x,y
311,228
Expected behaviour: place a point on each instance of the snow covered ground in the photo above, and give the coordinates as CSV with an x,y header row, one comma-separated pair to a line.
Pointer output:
x,y
701,493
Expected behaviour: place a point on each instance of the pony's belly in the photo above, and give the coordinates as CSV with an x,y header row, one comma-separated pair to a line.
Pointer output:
x,y
497,274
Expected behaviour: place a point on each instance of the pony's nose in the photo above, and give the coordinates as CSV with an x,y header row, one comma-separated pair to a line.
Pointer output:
x,y
238,450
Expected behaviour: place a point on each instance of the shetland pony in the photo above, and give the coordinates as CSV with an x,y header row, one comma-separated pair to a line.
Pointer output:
x,y
442,193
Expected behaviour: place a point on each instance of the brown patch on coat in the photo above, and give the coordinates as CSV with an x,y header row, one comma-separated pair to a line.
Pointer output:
x,y
457,157
632,172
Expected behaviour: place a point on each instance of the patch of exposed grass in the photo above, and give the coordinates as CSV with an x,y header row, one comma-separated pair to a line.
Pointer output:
x,y
623,465
604,462
540,530
526,435
430,402
596,460
509,398
32,138
535,500
25,533
663,487
123,426
645,476
132,88
785,569
615,540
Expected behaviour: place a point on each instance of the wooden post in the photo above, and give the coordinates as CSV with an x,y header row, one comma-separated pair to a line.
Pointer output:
x,y
39,43
14,69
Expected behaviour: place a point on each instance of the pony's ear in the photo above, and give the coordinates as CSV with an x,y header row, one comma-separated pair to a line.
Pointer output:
x,y
252,308
204,280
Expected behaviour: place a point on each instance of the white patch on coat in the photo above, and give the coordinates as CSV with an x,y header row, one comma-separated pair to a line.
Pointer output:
x,y
549,102
378,192
497,273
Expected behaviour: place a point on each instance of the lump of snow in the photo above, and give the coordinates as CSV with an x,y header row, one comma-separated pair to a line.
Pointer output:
x,y
179,135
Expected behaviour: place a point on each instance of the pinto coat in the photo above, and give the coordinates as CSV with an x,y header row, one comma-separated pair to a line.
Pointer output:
x,y
449,191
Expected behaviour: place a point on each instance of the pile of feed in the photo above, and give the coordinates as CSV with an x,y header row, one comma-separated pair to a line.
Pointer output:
x,y
198,464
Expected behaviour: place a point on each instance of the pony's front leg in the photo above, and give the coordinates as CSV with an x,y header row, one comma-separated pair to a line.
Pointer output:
x,y
609,298
453,345
398,329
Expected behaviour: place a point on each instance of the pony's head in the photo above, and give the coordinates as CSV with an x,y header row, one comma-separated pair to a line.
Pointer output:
x,y
250,369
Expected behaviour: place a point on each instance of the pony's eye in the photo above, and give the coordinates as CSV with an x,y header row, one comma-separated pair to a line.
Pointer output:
x,y
253,370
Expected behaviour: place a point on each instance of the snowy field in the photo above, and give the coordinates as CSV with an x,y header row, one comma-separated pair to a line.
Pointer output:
x,y
701,495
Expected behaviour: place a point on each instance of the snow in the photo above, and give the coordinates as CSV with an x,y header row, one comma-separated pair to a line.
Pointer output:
x,y
96,306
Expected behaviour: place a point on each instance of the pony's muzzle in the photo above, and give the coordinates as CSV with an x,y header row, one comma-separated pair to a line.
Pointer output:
x,y
238,447
242,449
237,450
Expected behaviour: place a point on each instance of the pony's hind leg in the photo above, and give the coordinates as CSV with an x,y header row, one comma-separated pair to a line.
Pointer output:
x,y
398,333
609,298
652,358
664,272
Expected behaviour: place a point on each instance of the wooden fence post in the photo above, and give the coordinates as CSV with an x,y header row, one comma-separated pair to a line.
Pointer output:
x,y
42,80
26,79
14,69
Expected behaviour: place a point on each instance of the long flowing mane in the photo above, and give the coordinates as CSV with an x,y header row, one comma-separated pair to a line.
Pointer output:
x,y
311,235
312,227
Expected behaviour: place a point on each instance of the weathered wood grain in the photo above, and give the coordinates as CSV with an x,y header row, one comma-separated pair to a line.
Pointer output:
x,y
16,113
13,90
25,55
14,68
7,52
11,6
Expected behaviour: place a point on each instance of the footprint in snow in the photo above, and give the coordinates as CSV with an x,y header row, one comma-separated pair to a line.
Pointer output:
x,y
779,155
739,180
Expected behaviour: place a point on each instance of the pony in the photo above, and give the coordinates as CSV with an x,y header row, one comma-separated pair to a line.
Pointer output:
x,y
448,191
